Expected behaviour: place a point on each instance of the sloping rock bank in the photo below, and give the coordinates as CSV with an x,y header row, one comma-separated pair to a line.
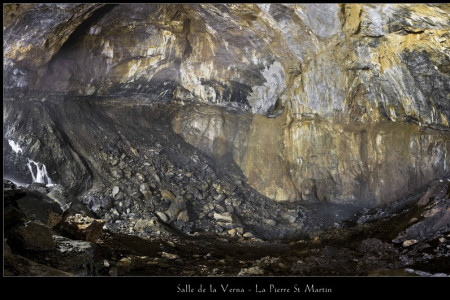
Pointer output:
x,y
128,166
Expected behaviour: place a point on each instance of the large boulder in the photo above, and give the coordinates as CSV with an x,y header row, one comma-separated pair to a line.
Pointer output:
x,y
39,207
33,236
177,205
82,227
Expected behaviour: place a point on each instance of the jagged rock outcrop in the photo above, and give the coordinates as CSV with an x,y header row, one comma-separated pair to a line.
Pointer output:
x,y
314,102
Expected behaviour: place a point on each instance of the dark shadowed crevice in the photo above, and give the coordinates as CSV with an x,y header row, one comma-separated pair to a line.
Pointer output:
x,y
83,28
188,47
60,66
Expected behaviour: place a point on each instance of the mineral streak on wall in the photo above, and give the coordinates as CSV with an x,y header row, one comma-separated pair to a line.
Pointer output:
x,y
344,103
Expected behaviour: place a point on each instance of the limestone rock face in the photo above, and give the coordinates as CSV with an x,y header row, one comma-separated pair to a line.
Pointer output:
x,y
318,102
339,162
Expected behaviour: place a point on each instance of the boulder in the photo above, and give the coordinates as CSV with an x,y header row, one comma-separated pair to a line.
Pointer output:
x,y
145,190
270,222
162,216
141,224
33,236
183,216
117,173
232,232
168,195
124,265
115,191
59,194
170,256
224,217
39,207
248,235
139,177
409,243
176,206
12,217
82,227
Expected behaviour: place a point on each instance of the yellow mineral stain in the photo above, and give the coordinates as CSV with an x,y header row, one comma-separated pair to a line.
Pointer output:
x,y
444,120
394,44
352,18
18,51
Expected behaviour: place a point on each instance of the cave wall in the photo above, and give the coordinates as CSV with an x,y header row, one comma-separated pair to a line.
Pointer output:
x,y
322,102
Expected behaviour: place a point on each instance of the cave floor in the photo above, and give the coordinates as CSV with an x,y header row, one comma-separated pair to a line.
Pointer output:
x,y
354,250
366,245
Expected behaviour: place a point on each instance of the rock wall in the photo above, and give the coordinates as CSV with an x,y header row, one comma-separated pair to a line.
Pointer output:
x,y
316,159
321,102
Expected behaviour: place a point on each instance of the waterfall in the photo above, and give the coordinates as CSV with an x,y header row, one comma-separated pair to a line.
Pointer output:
x,y
41,173
15,146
